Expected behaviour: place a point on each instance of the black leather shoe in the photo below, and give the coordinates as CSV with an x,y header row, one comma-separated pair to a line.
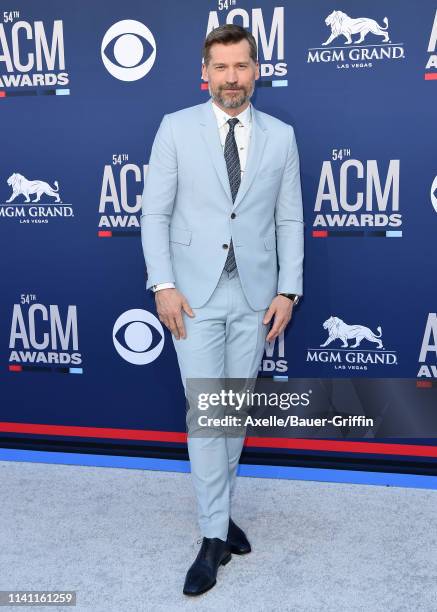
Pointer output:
x,y
237,540
202,574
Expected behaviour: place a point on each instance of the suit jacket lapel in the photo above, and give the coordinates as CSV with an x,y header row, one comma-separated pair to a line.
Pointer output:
x,y
211,136
257,143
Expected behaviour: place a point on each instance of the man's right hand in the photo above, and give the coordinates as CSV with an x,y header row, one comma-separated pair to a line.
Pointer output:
x,y
169,304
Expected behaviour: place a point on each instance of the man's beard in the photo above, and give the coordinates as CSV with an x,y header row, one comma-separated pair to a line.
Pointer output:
x,y
231,102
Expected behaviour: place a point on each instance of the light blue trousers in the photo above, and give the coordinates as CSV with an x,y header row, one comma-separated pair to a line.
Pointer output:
x,y
226,338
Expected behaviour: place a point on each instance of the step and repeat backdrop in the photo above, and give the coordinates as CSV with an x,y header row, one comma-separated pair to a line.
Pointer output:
x,y
83,88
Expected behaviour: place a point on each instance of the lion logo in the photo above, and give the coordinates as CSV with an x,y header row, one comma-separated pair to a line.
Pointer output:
x,y
22,186
341,23
344,332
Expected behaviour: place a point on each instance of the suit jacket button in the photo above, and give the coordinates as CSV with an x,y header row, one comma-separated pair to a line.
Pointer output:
x,y
225,246
233,215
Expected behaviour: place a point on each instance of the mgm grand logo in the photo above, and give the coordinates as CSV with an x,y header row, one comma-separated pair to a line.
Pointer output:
x,y
371,43
34,210
352,356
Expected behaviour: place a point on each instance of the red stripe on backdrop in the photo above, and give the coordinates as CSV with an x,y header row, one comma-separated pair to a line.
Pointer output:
x,y
374,448
425,384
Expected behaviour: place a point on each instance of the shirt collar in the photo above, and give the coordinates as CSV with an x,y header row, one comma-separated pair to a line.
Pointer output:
x,y
222,117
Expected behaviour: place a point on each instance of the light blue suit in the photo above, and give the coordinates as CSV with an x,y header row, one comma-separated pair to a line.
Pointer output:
x,y
187,204
186,227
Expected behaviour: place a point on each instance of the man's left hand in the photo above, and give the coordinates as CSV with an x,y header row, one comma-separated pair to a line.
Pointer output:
x,y
282,308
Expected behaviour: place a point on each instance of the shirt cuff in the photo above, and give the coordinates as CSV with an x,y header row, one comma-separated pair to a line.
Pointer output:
x,y
160,286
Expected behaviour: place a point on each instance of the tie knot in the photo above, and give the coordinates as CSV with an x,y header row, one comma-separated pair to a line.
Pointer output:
x,y
232,123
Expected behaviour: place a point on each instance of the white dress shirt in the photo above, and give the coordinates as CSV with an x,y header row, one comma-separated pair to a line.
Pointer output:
x,y
242,133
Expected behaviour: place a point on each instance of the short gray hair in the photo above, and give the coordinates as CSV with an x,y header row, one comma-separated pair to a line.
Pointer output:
x,y
226,35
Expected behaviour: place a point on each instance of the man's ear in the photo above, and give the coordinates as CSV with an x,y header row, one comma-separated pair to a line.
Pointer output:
x,y
204,73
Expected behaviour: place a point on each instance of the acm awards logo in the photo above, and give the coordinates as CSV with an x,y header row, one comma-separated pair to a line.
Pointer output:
x,y
44,336
121,197
355,347
431,64
128,50
267,27
33,201
428,350
355,43
138,336
32,55
357,195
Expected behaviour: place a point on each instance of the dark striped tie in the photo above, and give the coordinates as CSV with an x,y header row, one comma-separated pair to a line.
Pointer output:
x,y
234,173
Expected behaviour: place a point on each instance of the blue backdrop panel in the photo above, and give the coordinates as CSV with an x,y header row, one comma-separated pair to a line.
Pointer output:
x,y
83,88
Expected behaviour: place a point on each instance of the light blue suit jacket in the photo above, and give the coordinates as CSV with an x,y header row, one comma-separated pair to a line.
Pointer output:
x,y
187,206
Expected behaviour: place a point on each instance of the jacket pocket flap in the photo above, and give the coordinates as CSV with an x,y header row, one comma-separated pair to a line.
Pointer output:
x,y
177,234
270,242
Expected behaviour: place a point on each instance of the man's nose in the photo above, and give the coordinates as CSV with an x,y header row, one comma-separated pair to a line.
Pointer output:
x,y
231,76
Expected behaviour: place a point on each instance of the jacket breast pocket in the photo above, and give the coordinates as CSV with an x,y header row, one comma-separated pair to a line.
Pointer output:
x,y
179,235
271,173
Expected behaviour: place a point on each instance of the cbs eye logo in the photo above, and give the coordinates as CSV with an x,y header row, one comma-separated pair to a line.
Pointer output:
x,y
138,336
434,193
128,42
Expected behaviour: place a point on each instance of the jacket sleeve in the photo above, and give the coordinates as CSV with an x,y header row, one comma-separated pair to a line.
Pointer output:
x,y
158,198
289,224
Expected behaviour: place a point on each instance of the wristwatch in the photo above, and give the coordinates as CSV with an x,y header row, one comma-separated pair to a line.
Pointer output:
x,y
291,296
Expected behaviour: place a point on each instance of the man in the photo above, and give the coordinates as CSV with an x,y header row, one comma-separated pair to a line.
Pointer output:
x,y
222,234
